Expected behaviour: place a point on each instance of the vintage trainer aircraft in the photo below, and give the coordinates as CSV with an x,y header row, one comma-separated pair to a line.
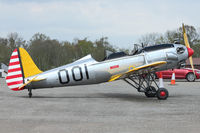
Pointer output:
x,y
135,69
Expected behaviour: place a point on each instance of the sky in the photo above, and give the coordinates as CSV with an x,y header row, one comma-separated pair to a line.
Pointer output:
x,y
122,21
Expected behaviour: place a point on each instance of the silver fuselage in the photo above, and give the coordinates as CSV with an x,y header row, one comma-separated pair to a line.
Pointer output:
x,y
88,71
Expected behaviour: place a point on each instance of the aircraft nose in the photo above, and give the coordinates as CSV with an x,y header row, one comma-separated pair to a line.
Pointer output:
x,y
190,52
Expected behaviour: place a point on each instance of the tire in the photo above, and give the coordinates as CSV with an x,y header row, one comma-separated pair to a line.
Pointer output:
x,y
30,94
190,77
162,94
151,91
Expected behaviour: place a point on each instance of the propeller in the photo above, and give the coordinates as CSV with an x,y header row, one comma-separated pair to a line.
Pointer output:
x,y
190,50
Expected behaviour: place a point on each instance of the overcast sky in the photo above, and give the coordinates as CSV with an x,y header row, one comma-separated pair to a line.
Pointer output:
x,y
122,21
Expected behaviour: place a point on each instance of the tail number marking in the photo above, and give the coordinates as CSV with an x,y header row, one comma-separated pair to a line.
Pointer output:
x,y
77,77
77,74
63,76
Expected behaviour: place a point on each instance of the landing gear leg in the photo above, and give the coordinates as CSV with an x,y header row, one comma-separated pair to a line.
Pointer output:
x,y
143,83
30,93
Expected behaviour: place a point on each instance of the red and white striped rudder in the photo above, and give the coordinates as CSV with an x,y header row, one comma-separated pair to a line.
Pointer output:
x,y
15,77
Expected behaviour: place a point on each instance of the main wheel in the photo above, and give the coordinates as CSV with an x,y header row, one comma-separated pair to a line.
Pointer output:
x,y
150,91
162,94
190,77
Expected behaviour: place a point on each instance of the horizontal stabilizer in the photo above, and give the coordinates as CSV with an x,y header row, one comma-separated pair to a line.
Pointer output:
x,y
32,80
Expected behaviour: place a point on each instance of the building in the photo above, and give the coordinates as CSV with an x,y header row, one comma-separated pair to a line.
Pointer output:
x,y
3,70
196,63
2,73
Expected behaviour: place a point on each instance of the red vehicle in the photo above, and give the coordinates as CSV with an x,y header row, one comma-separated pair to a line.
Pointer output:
x,y
184,73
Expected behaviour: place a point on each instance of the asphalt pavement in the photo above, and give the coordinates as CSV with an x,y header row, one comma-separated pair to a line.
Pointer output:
x,y
113,107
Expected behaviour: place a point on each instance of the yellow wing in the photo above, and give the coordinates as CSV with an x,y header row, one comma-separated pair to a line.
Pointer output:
x,y
115,77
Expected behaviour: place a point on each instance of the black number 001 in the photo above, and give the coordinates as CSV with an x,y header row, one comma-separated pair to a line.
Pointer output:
x,y
64,73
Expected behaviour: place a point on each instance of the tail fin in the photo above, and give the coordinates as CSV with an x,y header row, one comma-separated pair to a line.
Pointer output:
x,y
20,67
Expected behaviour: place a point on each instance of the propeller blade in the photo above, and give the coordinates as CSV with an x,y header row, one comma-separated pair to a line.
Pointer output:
x,y
185,37
188,46
191,63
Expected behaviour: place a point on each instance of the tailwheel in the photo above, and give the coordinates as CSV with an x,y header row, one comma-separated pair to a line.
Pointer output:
x,y
30,93
162,94
150,91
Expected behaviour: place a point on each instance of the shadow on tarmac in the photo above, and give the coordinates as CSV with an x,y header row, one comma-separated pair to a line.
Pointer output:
x,y
119,96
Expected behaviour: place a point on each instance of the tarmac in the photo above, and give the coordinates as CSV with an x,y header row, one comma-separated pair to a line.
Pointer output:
x,y
113,107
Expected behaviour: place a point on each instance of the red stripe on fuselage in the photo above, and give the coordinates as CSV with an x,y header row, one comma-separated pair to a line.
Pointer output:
x,y
115,66
15,82
14,76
